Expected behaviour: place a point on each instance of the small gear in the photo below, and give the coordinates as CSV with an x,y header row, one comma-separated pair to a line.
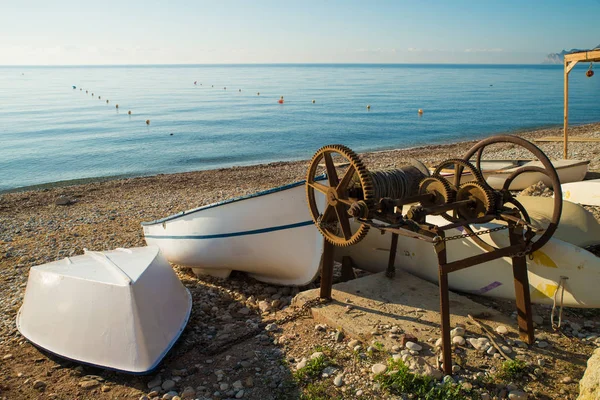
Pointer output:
x,y
483,200
440,189
359,187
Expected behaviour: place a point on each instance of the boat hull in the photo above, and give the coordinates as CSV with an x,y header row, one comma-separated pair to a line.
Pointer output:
x,y
121,310
584,192
494,278
269,235
496,173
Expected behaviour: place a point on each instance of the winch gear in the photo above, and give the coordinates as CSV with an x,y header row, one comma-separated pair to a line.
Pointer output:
x,y
482,200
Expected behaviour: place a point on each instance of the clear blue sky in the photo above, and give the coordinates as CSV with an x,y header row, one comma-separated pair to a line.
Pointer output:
x,y
59,32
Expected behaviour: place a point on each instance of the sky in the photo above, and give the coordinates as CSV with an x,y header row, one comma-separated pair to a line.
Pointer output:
x,y
85,32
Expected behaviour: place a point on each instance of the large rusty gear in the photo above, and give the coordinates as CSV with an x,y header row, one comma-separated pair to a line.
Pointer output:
x,y
334,221
483,200
439,188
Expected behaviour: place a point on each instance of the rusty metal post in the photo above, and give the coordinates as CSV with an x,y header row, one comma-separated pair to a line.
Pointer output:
x,y
440,248
347,269
522,295
327,270
391,269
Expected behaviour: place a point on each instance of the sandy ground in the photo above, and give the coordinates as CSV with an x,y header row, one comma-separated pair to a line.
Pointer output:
x,y
106,215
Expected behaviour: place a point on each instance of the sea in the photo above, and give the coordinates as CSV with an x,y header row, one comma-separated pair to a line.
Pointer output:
x,y
63,123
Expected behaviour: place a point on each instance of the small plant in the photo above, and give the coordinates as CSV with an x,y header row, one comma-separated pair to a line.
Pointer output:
x,y
313,368
378,345
512,369
401,381
316,391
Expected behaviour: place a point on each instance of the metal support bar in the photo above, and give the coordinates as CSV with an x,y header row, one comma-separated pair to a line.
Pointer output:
x,y
327,270
391,269
440,249
522,295
347,269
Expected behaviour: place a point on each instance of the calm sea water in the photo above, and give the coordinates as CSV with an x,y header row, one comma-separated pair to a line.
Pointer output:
x,y
51,132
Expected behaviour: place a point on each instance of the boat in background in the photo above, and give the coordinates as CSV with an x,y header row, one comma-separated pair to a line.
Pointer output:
x,y
121,310
496,172
269,234
584,192
562,256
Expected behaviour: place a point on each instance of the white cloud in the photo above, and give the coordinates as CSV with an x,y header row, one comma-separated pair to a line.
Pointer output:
x,y
495,50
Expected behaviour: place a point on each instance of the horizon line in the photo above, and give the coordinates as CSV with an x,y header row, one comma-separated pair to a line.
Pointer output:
x,y
261,64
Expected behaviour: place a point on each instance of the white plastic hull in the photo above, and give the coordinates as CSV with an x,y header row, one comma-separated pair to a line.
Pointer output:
x,y
269,235
496,173
494,278
121,310
584,192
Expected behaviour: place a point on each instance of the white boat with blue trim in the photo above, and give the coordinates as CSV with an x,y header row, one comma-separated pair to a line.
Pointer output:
x,y
269,234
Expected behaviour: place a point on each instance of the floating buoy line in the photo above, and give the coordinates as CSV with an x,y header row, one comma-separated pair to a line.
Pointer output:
x,y
281,100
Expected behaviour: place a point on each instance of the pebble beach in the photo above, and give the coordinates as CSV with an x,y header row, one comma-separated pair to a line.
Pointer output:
x,y
57,220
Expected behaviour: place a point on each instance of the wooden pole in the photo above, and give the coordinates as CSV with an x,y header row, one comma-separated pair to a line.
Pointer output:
x,y
566,101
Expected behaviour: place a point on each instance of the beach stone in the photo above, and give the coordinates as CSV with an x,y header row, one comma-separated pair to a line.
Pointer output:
x,y
566,380
239,394
339,336
448,379
438,343
223,386
237,385
264,306
155,382
589,386
338,381
169,395
538,319
378,369
64,201
353,343
39,385
301,364
413,346
458,331
491,351
317,354
188,393
517,395
91,384
244,311
153,393
485,396
407,337
420,366
321,328
459,340
271,327
502,330
359,393
542,344
168,385
7,357
506,349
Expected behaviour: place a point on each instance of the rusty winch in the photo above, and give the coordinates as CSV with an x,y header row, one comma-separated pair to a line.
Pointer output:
x,y
398,201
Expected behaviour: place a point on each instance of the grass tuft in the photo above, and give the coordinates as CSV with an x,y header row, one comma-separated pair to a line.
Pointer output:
x,y
401,381
512,369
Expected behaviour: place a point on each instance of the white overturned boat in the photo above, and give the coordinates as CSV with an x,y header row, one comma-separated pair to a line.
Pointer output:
x,y
562,256
584,192
270,235
495,172
122,309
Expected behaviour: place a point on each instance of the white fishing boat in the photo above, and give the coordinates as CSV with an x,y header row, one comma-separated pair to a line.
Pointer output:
x,y
584,192
497,171
270,235
122,309
561,257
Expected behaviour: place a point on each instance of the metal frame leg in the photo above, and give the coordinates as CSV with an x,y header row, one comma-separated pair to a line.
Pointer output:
x,y
440,249
391,269
522,294
327,270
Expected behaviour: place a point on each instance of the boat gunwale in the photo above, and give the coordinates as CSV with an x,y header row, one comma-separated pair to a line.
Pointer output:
x,y
510,169
232,200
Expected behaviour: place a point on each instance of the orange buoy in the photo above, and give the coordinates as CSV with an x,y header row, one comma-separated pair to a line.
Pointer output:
x,y
147,122
368,106
129,112
420,111
281,100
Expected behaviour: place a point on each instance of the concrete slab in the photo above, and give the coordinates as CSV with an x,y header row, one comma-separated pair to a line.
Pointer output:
x,y
408,302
